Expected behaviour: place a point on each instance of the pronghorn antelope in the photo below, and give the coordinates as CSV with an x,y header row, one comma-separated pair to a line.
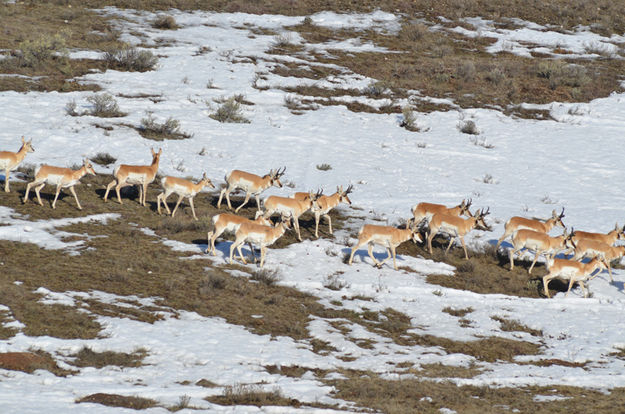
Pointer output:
x,y
610,237
291,207
141,175
387,236
59,176
455,227
539,243
593,248
517,223
252,184
10,160
229,222
427,210
184,188
327,203
254,233
572,271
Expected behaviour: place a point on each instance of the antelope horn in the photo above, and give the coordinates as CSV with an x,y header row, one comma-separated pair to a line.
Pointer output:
x,y
349,189
280,173
562,214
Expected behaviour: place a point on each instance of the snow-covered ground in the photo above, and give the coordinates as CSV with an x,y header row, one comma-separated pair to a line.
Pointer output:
x,y
532,168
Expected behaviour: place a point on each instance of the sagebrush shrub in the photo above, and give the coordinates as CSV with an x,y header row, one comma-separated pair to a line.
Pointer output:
x,y
104,105
229,112
165,22
130,59
36,52
468,127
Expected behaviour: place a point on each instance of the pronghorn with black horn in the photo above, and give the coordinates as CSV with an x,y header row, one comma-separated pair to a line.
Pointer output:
x,y
263,236
593,248
517,223
572,271
252,184
10,160
141,175
227,222
610,237
291,207
539,243
59,176
426,210
325,203
387,236
183,188
455,226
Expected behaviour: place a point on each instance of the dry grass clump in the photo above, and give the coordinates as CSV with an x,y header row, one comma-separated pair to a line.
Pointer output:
x,y
86,357
560,73
266,276
252,394
159,131
130,58
31,361
417,395
115,400
409,119
104,106
230,112
166,22
103,158
468,127
37,52
509,325
458,312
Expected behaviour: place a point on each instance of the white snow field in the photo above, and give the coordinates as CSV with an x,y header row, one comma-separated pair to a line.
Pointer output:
x,y
574,161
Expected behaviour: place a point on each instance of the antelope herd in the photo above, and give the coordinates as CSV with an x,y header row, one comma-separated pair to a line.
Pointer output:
x,y
433,219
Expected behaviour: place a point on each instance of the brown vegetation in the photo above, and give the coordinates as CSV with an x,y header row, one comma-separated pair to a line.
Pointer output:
x,y
403,396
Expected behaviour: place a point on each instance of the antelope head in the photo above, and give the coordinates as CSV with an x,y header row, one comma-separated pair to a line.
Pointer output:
x,y
343,194
206,181
313,197
156,155
568,242
464,208
285,221
275,176
27,145
558,218
88,167
479,219
414,228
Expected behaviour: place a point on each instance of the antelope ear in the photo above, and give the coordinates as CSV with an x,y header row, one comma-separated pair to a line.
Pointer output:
x,y
160,151
152,151
553,213
23,140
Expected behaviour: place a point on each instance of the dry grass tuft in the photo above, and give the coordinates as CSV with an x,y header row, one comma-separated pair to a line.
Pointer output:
x,y
169,129
103,158
230,112
129,58
407,395
166,22
86,357
252,394
115,400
